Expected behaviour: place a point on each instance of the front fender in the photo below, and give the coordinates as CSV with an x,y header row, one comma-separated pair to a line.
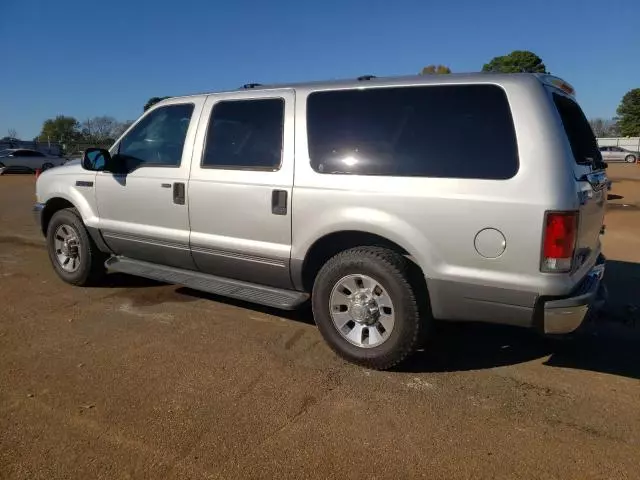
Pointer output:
x,y
52,185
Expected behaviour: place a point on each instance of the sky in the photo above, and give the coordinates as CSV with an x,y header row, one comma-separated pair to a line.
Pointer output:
x,y
85,58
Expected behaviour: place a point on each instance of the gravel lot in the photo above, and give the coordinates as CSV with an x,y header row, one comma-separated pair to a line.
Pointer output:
x,y
143,380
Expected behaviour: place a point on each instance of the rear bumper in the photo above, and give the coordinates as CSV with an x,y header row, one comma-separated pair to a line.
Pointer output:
x,y
564,315
455,301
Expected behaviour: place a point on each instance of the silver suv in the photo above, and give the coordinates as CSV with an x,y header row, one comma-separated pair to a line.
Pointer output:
x,y
387,203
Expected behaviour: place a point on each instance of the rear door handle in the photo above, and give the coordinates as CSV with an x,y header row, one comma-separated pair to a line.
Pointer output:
x,y
178,193
165,185
279,202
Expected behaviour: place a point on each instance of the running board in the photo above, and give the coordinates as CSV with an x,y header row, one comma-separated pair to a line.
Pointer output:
x,y
250,292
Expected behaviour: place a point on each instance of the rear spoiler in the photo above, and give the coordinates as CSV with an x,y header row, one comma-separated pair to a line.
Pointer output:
x,y
558,83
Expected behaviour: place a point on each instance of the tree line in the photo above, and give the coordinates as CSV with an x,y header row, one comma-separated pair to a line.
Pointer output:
x,y
104,130
100,130
625,124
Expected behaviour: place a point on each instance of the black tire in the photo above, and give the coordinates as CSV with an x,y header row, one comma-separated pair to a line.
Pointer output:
x,y
46,166
393,271
91,269
630,159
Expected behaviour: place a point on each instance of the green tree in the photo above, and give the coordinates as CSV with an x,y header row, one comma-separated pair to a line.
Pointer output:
x,y
435,69
152,101
518,61
629,114
60,129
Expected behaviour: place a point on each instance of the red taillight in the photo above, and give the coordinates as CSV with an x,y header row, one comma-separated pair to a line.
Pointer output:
x,y
559,241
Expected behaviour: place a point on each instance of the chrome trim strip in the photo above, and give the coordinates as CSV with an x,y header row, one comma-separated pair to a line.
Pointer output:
x,y
132,238
239,256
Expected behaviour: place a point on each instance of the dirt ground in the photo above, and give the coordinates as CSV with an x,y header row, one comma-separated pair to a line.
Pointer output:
x,y
143,380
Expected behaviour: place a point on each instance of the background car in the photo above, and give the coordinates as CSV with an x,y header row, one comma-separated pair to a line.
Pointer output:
x,y
21,159
619,154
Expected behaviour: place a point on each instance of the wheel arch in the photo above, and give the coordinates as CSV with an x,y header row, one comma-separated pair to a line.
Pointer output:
x,y
305,271
59,202
52,206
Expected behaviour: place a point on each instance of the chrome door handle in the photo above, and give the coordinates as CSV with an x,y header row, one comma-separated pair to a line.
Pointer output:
x,y
166,185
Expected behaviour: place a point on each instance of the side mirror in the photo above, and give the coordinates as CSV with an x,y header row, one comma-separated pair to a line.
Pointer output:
x,y
96,159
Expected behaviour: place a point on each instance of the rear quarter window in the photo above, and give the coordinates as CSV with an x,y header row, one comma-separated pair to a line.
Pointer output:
x,y
576,126
450,131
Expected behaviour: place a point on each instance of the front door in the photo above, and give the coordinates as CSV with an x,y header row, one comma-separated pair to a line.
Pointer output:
x,y
240,187
143,212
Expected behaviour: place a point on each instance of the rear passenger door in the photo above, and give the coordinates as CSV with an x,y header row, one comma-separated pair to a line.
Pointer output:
x,y
240,187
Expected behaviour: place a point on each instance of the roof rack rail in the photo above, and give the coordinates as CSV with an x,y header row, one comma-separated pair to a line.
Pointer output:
x,y
366,77
247,86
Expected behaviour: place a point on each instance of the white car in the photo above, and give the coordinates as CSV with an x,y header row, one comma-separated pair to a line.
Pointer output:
x,y
619,154
24,159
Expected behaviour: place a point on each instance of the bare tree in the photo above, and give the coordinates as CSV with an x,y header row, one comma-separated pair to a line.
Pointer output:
x,y
99,129
603,127
13,133
121,127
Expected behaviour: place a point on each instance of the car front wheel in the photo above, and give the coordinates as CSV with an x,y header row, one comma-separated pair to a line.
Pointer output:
x,y
630,159
74,255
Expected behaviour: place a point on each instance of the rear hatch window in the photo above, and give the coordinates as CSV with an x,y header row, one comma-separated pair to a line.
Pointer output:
x,y
576,126
589,182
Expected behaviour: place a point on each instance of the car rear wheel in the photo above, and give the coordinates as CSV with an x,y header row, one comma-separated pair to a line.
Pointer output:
x,y
47,166
366,308
630,159
2,167
74,255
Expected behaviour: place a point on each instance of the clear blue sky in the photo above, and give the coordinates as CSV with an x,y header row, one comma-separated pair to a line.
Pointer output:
x,y
85,58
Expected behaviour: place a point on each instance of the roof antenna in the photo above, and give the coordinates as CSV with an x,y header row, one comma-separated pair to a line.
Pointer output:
x,y
247,86
366,77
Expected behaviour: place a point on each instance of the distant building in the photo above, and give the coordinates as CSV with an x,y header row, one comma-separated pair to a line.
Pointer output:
x,y
630,143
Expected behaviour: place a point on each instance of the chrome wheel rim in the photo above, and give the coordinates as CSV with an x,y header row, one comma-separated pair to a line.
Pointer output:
x,y
362,311
66,243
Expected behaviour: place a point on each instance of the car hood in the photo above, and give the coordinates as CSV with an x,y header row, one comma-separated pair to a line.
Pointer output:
x,y
71,167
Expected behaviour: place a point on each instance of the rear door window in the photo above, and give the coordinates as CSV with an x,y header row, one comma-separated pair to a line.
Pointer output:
x,y
583,143
245,134
454,131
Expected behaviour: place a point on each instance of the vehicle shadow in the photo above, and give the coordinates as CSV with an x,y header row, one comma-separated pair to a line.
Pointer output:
x,y
609,342
122,280
302,314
